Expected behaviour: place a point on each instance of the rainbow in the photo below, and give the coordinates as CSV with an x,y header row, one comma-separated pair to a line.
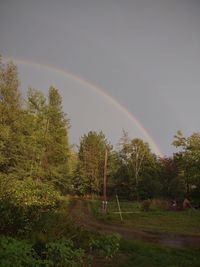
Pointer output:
x,y
101,92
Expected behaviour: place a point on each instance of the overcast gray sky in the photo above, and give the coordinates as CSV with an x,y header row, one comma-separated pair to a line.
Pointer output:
x,y
145,54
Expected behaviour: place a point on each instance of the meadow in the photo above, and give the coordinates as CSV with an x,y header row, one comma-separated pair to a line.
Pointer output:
x,y
156,219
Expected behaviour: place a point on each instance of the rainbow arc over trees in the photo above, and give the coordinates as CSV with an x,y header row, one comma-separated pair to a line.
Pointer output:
x,y
101,92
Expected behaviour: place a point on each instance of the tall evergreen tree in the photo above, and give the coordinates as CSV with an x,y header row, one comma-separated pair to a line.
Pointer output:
x,y
56,153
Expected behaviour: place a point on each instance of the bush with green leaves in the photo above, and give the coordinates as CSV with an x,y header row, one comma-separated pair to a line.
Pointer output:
x,y
15,253
19,253
106,245
30,193
23,202
63,253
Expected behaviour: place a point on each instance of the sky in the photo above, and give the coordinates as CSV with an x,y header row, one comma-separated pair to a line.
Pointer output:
x,y
132,65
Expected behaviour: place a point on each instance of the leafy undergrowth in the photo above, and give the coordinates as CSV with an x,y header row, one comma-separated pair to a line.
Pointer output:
x,y
59,253
54,241
21,253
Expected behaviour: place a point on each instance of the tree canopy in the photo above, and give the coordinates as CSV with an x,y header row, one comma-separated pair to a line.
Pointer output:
x,y
34,146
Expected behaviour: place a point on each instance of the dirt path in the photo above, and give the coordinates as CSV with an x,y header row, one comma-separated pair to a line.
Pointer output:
x,y
80,214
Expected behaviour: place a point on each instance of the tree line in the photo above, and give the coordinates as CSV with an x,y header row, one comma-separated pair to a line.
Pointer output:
x,y
36,155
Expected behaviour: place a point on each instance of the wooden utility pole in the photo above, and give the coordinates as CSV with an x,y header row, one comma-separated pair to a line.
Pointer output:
x,y
104,182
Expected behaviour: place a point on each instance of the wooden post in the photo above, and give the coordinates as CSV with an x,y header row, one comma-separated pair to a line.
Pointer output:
x,y
104,182
120,213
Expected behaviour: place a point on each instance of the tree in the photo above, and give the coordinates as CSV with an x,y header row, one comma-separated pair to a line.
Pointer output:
x,y
188,159
37,113
172,184
10,119
56,150
136,164
91,162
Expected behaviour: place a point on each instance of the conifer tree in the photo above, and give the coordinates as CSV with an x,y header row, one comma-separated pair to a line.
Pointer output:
x,y
56,153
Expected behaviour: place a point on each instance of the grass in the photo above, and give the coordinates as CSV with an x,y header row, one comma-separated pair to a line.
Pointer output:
x,y
131,253
147,255
141,254
176,222
182,222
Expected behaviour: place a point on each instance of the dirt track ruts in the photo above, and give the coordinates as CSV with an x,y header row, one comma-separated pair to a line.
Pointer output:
x,y
80,214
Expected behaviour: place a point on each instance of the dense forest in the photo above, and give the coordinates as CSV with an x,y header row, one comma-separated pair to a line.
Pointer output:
x,y
39,166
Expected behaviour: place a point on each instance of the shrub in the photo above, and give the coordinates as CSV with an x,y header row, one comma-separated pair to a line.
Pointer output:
x,y
29,193
106,245
22,203
159,204
18,253
63,253
15,253
145,205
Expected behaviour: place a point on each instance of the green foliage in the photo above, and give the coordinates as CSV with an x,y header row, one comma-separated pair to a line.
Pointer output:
x,y
54,225
95,207
106,245
91,163
97,211
50,155
22,202
55,159
158,219
188,160
136,172
172,184
33,138
63,253
149,186
32,193
29,193
11,117
17,253
37,162
142,254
